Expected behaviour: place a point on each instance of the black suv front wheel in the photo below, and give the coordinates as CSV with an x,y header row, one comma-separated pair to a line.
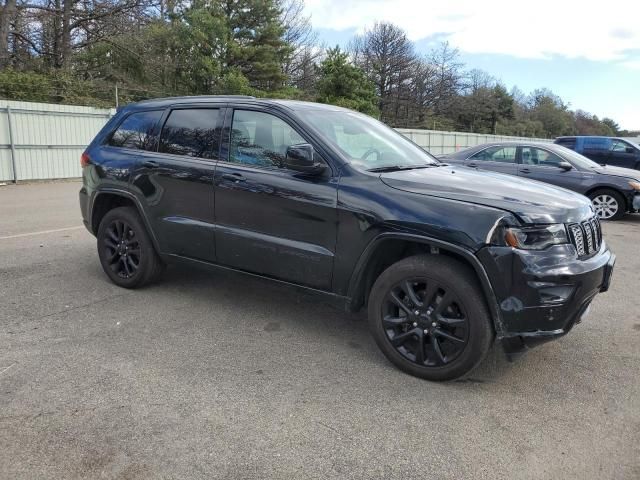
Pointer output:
x,y
429,318
126,252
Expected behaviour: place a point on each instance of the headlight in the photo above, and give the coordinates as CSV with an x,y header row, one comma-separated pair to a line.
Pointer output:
x,y
635,186
535,238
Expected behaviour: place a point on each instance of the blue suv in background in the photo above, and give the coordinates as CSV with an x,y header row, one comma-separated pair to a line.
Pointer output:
x,y
605,150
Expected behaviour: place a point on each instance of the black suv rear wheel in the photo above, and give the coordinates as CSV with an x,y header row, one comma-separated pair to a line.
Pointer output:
x,y
428,317
125,249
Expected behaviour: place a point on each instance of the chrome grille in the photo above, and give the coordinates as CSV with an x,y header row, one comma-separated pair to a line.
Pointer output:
x,y
586,236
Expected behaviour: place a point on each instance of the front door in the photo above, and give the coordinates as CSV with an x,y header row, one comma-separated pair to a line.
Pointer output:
x,y
500,159
176,181
271,220
623,154
544,166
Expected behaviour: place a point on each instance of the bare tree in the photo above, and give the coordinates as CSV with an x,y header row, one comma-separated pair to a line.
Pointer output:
x,y
300,65
54,29
387,57
448,77
6,14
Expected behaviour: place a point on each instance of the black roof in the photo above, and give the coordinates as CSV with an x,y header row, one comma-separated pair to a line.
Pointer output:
x,y
289,104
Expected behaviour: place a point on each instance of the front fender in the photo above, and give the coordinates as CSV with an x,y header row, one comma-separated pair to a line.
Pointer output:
x,y
356,283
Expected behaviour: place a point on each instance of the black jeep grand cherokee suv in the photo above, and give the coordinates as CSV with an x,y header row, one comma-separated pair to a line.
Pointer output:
x,y
445,258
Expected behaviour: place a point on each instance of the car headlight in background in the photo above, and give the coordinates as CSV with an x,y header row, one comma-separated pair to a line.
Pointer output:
x,y
635,186
535,238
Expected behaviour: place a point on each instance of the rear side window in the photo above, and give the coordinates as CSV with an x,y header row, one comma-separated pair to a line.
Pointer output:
x,y
496,154
191,132
137,131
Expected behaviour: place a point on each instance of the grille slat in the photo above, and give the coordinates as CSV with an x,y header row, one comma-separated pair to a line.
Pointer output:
x,y
586,236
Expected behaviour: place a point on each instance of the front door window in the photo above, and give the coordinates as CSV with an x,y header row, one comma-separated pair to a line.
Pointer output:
x,y
261,139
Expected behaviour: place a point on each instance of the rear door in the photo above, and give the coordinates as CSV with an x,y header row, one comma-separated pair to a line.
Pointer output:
x,y
271,220
543,165
175,182
596,148
497,158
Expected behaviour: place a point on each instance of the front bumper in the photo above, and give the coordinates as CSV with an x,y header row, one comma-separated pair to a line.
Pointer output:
x,y
542,295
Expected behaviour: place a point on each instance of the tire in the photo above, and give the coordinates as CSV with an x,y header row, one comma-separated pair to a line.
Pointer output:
x,y
433,279
125,250
608,204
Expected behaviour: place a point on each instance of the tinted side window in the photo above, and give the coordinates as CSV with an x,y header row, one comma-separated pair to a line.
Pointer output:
x,y
497,154
260,139
567,142
137,131
191,132
538,156
619,146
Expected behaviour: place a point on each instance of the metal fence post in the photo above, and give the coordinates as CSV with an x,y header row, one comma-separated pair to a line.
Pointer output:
x,y
13,146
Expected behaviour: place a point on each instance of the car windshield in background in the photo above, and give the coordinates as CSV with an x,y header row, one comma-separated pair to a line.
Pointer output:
x,y
576,158
369,144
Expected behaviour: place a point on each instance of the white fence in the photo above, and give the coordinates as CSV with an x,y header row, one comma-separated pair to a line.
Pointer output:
x,y
439,143
45,141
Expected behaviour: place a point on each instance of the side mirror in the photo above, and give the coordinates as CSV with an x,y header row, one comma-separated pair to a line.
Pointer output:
x,y
301,159
566,166
630,150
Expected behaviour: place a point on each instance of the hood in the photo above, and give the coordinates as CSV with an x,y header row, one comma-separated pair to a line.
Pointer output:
x,y
618,172
531,201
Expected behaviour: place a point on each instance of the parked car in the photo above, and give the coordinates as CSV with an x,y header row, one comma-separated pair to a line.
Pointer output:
x,y
445,259
605,150
612,190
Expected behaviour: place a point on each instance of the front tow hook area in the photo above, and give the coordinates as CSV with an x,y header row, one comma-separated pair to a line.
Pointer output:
x,y
608,273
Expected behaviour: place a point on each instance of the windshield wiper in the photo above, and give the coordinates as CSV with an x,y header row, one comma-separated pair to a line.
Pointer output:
x,y
395,168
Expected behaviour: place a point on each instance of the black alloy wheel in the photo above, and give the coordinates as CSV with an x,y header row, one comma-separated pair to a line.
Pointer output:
x,y
428,315
126,252
122,249
425,322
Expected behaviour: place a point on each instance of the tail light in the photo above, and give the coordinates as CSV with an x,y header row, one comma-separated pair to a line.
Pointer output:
x,y
84,159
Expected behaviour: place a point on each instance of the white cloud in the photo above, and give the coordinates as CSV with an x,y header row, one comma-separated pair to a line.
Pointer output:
x,y
538,29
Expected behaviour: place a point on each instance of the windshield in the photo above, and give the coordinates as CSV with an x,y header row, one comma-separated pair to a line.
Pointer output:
x,y
367,143
575,158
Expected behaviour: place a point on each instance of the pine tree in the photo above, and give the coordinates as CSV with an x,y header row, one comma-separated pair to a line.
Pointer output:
x,y
344,84
255,47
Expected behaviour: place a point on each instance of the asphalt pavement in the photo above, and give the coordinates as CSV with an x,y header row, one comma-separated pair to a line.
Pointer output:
x,y
223,376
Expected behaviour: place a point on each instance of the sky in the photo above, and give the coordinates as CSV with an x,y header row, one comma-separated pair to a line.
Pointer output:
x,y
588,53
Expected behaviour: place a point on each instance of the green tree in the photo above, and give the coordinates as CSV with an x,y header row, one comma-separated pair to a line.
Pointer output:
x,y
552,112
612,124
255,45
344,84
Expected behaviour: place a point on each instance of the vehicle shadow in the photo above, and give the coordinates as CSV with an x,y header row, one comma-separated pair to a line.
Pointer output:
x,y
297,314
630,218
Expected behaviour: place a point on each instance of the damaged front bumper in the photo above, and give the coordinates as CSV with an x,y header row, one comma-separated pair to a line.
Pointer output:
x,y
541,295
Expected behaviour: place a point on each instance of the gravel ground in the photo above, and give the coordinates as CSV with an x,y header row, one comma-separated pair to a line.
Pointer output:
x,y
223,376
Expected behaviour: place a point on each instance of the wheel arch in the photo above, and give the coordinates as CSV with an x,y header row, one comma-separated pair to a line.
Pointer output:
x,y
108,199
389,248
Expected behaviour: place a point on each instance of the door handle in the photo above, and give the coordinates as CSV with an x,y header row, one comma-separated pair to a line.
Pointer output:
x,y
150,164
525,170
473,164
234,177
